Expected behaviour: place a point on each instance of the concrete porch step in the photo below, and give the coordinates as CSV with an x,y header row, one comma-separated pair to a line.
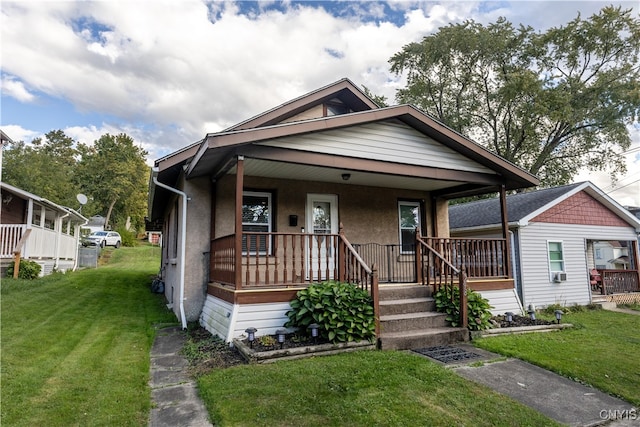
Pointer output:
x,y
425,338
409,305
403,291
412,321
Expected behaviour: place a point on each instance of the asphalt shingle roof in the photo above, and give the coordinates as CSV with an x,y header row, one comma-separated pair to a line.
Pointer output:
x,y
487,212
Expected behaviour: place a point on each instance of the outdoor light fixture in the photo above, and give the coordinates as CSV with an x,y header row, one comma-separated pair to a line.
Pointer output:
x,y
314,331
280,333
532,314
509,317
251,335
559,314
346,176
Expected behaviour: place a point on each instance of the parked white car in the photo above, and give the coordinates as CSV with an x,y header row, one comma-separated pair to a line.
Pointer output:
x,y
103,238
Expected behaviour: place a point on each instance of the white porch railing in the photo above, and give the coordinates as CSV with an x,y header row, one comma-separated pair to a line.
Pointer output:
x,y
40,244
10,235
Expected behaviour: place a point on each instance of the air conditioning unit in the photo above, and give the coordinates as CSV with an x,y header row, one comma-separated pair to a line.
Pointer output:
x,y
559,277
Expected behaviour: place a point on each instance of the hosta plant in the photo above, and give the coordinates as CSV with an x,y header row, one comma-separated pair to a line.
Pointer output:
x,y
478,308
342,311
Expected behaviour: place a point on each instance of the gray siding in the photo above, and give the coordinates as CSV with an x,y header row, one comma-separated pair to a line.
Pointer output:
x,y
538,288
391,142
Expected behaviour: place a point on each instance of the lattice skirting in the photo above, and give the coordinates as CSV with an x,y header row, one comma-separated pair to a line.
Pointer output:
x,y
630,298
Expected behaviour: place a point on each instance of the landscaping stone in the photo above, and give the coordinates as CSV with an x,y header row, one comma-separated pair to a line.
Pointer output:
x,y
252,355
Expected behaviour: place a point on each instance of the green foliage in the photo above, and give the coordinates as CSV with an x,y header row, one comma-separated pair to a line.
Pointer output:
x,y
551,102
343,312
112,172
29,270
267,340
128,237
478,308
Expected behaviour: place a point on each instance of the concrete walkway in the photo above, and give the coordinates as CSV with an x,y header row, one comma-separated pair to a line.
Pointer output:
x,y
557,397
174,396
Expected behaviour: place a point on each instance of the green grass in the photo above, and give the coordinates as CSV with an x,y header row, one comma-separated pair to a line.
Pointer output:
x,y
603,350
75,347
369,388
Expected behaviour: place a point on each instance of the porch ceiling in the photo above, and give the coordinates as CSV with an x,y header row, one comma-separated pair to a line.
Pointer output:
x,y
281,170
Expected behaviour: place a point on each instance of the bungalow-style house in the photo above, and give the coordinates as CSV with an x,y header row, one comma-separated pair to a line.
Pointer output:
x,y
570,245
40,230
327,186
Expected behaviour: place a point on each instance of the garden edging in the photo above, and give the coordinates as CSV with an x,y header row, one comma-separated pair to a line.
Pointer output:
x,y
520,330
253,356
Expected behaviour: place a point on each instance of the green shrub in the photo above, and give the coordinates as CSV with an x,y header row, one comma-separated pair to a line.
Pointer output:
x,y
128,237
28,269
478,308
342,311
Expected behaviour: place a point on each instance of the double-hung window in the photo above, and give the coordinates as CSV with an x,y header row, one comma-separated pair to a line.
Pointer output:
x,y
556,257
409,220
256,218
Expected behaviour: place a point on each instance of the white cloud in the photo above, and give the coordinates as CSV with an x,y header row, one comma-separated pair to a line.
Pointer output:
x,y
18,133
171,71
15,89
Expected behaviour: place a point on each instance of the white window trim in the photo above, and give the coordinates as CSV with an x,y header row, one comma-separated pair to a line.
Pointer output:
x,y
552,272
413,204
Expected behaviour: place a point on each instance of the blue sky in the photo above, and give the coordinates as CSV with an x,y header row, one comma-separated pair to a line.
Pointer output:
x,y
168,72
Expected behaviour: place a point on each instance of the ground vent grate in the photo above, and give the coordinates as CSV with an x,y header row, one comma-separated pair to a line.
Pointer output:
x,y
447,354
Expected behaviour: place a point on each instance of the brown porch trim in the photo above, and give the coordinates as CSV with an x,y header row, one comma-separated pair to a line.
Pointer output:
x,y
252,296
490,284
505,228
365,165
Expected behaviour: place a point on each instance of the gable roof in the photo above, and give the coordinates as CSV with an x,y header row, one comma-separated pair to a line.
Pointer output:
x,y
217,147
523,207
343,89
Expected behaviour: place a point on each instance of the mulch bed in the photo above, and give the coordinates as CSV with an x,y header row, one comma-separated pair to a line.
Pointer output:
x,y
501,321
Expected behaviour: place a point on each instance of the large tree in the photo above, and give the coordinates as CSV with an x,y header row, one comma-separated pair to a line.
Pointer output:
x,y
44,167
551,102
113,171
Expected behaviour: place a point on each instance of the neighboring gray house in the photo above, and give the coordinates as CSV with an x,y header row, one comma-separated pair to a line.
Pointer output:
x,y
557,234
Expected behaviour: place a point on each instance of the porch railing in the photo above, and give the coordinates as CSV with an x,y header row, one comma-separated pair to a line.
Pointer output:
x,y
434,269
619,281
480,257
10,235
291,259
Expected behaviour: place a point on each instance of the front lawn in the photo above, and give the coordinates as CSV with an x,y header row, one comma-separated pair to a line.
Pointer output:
x,y
367,388
75,347
603,350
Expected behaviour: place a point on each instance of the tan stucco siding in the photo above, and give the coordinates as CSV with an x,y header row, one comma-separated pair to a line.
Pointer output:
x,y
368,214
196,248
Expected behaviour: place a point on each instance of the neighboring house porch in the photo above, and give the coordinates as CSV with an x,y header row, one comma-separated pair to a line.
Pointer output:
x,y
39,230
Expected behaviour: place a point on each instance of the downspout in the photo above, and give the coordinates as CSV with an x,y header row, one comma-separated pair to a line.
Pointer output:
x,y
183,240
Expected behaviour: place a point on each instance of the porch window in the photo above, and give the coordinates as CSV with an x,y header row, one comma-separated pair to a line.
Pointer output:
x,y
256,217
556,257
409,220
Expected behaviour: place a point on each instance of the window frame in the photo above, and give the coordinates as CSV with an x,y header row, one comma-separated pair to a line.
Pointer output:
x,y
269,224
413,204
550,262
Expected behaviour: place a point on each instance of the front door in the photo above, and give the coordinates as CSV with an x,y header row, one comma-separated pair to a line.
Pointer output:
x,y
322,222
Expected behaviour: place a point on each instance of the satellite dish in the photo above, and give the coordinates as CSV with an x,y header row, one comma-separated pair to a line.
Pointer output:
x,y
82,199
